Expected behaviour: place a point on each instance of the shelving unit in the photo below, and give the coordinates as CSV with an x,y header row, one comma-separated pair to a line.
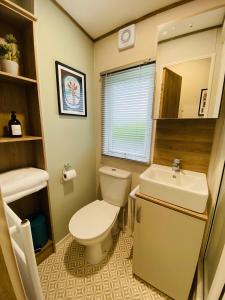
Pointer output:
x,y
26,7
20,93
17,79
20,139
47,249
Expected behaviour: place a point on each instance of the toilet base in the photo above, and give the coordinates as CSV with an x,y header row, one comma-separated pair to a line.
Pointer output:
x,y
115,229
94,254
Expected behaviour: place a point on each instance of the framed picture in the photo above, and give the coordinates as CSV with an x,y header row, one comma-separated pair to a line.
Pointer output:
x,y
71,89
202,103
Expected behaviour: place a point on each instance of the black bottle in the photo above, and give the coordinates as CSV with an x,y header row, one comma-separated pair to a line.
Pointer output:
x,y
14,126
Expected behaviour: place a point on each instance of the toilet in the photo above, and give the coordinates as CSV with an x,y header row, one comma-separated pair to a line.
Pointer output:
x,y
91,225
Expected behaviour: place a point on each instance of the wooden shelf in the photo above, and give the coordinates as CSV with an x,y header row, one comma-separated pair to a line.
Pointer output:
x,y
19,9
13,14
16,78
47,250
20,139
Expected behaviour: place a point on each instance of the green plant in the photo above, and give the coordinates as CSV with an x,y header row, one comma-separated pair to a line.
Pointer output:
x,y
10,38
8,49
4,49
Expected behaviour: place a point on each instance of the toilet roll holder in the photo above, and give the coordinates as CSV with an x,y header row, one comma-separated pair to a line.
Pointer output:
x,y
66,168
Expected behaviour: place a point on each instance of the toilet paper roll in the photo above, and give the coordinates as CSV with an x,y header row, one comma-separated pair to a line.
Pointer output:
x,y
68,175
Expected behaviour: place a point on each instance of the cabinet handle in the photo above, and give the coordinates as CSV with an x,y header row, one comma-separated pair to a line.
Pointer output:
x,y
138,214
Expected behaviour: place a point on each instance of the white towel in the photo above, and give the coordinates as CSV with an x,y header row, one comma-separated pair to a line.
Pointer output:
x,y
21,180
131,210
24,193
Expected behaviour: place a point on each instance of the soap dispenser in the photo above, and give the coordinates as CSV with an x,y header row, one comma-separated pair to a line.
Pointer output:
x,y
14,126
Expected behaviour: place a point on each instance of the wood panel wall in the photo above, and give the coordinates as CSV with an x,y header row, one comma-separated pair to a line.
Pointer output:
x,y
189,140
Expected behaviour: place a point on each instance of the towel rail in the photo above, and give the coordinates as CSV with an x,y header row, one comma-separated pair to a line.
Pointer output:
x,y
131,210
20,232
13,217
18,251
12,230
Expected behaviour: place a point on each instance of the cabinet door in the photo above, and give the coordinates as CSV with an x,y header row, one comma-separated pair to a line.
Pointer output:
x,y
166,248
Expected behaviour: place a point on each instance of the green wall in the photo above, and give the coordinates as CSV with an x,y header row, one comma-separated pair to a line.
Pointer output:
x,y
68,139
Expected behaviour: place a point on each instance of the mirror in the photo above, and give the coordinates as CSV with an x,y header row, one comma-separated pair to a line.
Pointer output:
x,y
190,67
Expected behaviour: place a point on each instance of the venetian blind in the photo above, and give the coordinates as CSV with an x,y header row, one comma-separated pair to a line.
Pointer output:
x,y
127,99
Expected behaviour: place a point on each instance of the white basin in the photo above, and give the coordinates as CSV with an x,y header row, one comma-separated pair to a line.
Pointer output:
x,y
186,189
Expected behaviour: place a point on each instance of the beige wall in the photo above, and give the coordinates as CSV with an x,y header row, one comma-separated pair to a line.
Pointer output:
x,y
72,139
195,77
217,158
215,172
68,139
217,241
217,80
107,56
216,161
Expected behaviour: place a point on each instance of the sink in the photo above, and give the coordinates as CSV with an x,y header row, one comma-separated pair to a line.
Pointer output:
x,y
186,189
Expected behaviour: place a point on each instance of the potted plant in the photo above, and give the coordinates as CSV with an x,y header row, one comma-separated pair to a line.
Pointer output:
x,y
9,55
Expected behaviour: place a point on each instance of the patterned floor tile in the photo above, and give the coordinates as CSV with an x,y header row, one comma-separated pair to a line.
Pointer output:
x,y
66,275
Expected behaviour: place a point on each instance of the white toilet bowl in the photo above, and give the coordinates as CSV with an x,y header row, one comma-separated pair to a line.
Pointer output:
x,y
91,226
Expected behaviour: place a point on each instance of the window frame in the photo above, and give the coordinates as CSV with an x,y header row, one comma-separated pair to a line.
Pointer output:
x,y
152,132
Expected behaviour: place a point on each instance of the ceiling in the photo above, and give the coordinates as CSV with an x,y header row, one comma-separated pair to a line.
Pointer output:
x,y
98,17
198,22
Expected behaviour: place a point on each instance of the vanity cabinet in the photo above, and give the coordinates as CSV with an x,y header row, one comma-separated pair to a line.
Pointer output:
x,y
167,242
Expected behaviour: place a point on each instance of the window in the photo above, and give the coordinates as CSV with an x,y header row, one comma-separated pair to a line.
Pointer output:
x,y
127,98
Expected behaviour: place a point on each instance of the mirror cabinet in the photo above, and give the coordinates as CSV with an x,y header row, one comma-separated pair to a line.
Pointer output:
x,y
190,67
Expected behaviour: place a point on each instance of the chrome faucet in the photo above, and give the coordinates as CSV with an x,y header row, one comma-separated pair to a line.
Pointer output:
x,y
176,165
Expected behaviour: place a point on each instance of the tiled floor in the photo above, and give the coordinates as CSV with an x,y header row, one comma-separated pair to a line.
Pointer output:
x,y
66,275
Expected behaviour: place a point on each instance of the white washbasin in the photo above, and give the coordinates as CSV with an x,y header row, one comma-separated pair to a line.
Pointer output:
x,y
188,189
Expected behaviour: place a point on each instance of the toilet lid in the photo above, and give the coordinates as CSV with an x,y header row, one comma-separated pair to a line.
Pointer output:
x,y
93,220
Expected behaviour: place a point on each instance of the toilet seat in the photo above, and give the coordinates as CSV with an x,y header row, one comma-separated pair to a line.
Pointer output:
x,y
93,220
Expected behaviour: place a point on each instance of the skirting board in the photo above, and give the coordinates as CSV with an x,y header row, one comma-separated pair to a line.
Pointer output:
x,y
57,245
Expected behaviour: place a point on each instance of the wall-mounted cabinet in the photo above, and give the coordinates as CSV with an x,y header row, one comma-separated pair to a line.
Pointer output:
x,y
20,93
190,74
